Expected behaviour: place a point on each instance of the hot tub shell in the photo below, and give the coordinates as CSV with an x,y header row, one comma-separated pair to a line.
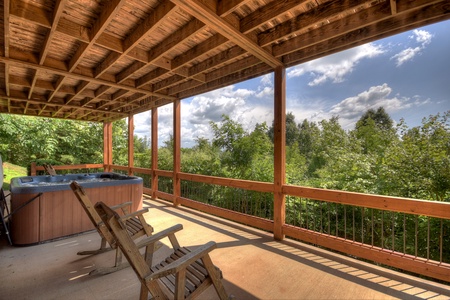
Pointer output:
x,y
56,212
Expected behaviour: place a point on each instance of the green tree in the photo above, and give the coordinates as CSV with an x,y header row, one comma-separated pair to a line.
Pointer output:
x,y
418,166
292,131
142,152
381,118
120,142
375,131
308,136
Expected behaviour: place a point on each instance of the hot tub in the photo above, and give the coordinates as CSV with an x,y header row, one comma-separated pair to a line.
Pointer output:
x,y
55,211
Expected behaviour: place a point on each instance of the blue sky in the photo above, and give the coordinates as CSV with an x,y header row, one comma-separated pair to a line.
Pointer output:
x,y
408,74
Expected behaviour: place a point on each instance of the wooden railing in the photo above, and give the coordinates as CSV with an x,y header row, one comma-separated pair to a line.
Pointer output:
x,y
323,229
85,168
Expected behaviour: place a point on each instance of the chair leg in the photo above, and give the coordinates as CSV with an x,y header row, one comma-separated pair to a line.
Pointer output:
x,y
215,276
119,265
152,287
102,249
143,295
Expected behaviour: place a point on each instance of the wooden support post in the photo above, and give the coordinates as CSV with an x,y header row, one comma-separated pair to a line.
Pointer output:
x,y
154,151
176,151
33,169
107,146
279,152
130,144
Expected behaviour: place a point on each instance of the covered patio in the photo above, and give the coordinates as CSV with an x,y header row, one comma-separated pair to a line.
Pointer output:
x,y
253,264
102,61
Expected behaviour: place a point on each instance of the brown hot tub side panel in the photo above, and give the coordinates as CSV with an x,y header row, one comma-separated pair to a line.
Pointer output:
x,y
58,214
26,221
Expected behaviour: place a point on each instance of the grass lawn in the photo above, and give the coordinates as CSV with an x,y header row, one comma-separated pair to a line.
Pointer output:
x,y
11,171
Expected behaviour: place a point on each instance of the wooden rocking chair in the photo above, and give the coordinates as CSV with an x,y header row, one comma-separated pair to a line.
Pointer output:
x,y
49,169
183,274
135,225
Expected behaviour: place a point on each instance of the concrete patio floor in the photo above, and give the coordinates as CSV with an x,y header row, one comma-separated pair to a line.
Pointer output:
x,y
254,266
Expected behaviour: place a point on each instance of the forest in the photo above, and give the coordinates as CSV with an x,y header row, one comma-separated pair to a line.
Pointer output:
x,y
375,157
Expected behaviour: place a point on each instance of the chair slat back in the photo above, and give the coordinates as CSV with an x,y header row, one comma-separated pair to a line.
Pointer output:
x,y
49,169
125,242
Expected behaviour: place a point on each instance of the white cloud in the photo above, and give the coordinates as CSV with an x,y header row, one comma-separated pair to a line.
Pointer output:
x,y
165,122
352,108
238,103
406,55
266,80
142,124
335,67
422,37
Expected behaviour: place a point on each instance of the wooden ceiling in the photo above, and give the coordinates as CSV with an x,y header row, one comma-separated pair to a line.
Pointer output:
x,y
102,60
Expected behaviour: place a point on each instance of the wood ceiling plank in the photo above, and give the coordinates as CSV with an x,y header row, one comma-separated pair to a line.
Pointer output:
x,y
172,41
151,76
31,13
163,84
133,68
108,13
226,80
73,30
342,26
268,13
158,52
155,19
188,85
309,19
225,8
149,25
204,47
217,60
215,22
232,68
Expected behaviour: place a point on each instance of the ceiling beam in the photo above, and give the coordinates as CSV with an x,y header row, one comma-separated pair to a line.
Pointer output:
x,y
215,22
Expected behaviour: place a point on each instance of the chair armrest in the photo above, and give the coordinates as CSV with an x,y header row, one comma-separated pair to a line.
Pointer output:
x,y
134,214
116,207
159,235
183,262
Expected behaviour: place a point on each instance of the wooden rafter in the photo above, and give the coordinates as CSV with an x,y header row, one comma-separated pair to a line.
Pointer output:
x,y
48,39
393,7
6,29
210,18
